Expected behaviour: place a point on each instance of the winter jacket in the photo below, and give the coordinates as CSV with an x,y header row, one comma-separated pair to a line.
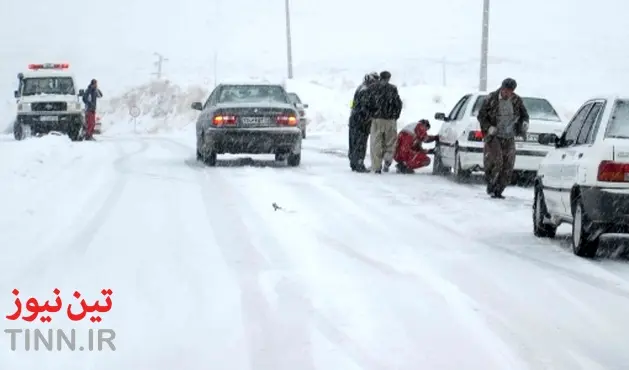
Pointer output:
x,y
90,96
419,134
384,101
360,114
488,114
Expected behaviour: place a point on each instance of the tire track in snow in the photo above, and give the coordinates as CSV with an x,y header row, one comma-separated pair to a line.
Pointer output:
x,y
80,240
398,196
292,302
273,333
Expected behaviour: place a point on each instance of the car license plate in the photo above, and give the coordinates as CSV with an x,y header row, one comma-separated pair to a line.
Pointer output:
x,y
49,118
532,137
255,120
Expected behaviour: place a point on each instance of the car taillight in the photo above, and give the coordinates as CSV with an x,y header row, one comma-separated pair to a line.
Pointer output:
x,y
287,120
610,171
223,119
475,136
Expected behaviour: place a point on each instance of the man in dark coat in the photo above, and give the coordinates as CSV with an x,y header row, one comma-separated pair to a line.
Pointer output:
x,y
90,96
360,125
384,106
502,117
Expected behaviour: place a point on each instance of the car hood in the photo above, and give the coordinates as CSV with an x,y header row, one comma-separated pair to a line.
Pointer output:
x,y
48,98
254,105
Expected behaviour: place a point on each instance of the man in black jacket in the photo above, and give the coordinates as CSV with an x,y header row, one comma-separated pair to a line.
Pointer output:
x,y
360,125
384,106
90,96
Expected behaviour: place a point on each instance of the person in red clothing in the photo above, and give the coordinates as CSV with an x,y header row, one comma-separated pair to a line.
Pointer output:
x,y
409,153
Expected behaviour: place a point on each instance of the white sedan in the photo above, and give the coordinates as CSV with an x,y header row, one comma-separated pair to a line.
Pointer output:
x,y
460,147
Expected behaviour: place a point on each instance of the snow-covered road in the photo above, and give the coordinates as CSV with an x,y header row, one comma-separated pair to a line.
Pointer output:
x,y
353,272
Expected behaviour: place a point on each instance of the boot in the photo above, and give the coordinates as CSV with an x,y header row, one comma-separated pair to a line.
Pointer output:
x,y
386,166
361,169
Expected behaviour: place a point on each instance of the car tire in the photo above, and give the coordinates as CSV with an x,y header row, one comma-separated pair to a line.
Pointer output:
x,y
21,131
460,175
303,134
541,229
76,132
582,246
437,165
294,159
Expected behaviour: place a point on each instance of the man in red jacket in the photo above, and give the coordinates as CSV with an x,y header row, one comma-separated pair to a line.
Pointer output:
x,y
409,153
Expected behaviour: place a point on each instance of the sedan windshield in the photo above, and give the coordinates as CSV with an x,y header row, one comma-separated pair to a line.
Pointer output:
x,y
252,93
538,109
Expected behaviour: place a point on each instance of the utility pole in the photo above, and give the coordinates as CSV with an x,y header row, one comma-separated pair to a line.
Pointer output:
x,y
484,49
159,64
289,46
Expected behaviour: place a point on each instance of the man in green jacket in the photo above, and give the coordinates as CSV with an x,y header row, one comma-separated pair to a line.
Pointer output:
x,y
502,117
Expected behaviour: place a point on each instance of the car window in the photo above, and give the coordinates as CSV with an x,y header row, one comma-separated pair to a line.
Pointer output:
x,y
210,100
47,85
574,127
590,121
618,126
252,93
294,98
456,108
463,108
538,109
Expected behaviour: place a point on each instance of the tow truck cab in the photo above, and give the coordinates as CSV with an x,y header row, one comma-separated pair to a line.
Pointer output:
x,y
47,100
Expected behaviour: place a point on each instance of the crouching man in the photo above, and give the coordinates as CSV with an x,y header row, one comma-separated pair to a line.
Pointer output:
x,y
409,153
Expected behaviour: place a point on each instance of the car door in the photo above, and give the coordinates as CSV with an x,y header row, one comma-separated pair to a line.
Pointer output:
x,y
577,153
551,167
448,133
566,144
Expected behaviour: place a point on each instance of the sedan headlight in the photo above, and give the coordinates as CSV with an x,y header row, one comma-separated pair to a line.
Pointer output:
x,y
24,107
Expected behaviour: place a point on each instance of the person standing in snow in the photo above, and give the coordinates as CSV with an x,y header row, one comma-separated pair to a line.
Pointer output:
x,y
384,106
90,96
502,117
360,125
409,153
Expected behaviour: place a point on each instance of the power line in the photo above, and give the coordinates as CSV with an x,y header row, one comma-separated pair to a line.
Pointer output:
x,y
159,64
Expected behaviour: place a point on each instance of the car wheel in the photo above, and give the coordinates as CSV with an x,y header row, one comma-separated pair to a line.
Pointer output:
x,y
541,229
582,246
303,134
460,175
437,165
21,132
294,159
76,132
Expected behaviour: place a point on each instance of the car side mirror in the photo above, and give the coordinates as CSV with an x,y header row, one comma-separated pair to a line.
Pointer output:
x,y
16,94
547,139
440,116
305,105
81,92
197,106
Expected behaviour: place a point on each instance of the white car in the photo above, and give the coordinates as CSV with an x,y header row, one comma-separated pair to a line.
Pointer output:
x,y
301,108
460,146
584,179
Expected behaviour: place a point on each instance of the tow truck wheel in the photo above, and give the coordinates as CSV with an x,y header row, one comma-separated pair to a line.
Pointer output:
x,y
21,131
76,132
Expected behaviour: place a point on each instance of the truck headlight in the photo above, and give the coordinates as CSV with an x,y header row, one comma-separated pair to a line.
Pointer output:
x,y
24,107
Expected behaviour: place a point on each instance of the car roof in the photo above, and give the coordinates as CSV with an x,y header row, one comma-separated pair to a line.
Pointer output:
x,y
47,73
522,96
609,97
248,83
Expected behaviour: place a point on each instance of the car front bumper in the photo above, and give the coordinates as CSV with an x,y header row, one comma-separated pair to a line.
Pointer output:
x,y
45,123
525,160
253,140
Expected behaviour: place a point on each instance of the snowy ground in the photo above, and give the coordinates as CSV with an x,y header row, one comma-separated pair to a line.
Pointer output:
x,y
354,272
